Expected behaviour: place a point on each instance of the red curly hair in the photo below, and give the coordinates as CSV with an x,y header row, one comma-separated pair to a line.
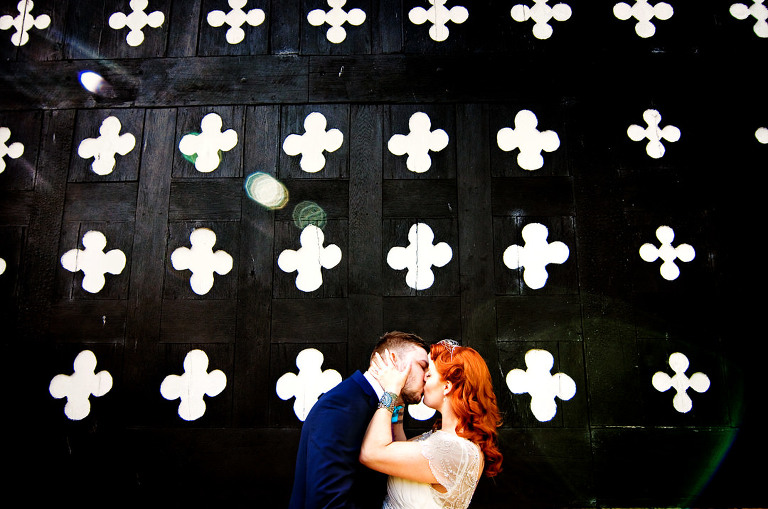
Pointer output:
x,y
475,402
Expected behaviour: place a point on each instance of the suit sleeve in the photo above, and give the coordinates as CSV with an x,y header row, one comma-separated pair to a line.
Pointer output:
x,y
332,451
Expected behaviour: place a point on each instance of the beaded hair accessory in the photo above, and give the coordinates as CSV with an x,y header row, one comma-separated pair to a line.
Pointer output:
x,y
449,344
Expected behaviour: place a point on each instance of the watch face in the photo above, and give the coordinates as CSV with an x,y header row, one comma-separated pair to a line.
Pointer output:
x,y
386,399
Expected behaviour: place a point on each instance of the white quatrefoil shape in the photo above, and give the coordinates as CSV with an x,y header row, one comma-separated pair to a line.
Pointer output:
x,y
662,382
543,386
758,11
667,253
136,21
201,260
195,383
420,256
336,17
104,148
309,384
204,149
80,386
14,150
653,133
313,142
236,18
439,15
535,255
418,143
541,14
24,22
93,261
526,137
643,12
308,260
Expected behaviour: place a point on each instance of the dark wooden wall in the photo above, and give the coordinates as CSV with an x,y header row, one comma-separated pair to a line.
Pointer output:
x,y
607,317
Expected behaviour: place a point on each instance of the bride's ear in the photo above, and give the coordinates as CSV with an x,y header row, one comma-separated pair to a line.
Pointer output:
x,y
447,388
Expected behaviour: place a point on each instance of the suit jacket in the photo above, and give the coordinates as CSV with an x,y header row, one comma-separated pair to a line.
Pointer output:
x,y
328,470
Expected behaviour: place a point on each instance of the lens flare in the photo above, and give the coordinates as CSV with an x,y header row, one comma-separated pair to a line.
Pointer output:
x,y
95,84
309,213
266,190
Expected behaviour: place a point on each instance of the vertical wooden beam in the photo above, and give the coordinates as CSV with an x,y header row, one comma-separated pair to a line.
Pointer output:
x,y
365,231
251,385
40,263
478,301
148,261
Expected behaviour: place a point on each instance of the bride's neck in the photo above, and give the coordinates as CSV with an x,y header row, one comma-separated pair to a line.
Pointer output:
x,y
449,421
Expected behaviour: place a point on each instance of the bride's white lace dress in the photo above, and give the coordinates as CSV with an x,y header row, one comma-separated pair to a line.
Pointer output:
x,y
455,462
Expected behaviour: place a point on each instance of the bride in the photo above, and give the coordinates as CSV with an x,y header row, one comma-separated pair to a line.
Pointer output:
x,y
441,468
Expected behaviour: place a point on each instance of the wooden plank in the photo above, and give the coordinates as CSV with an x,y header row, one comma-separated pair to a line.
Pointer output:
x,y
256,265
40,261
309,321
206,199
539,317
79,321
432,318
82,30
419,198
96,201
386,26
142,353
183,27
198,321
478,305
332,196
284,31
365,240
529,196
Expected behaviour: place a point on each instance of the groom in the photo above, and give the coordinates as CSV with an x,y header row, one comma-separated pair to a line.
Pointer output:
x,y
328,473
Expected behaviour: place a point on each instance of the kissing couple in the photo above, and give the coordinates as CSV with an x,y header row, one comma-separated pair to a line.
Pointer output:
x,y
353,451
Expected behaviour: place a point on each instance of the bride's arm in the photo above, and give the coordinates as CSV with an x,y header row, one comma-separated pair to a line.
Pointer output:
x,y
379,452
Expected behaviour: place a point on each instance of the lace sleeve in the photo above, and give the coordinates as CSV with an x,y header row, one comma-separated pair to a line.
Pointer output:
x,y
455,462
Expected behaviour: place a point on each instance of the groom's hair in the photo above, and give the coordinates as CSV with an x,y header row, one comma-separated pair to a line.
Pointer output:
x,y
396,341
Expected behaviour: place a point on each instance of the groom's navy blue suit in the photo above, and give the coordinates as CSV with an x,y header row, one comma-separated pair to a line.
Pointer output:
x,y
328,470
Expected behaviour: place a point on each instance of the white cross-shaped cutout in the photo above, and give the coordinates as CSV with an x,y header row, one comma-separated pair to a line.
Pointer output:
x,y
236,18
24,22
439,15
336,17
653,133
14,150
526,137
205,147
104,148
81,385
136,21
310,259
201,260
543,387
418,143
541,13
662,382
313,142
308,384
93,261
419,257
758,11
195,383
667,253
643,12
535,255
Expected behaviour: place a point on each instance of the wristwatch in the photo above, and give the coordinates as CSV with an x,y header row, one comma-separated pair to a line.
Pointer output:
x,y
388,401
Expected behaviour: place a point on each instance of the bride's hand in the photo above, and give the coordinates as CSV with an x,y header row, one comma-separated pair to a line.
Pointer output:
x,y
387,374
